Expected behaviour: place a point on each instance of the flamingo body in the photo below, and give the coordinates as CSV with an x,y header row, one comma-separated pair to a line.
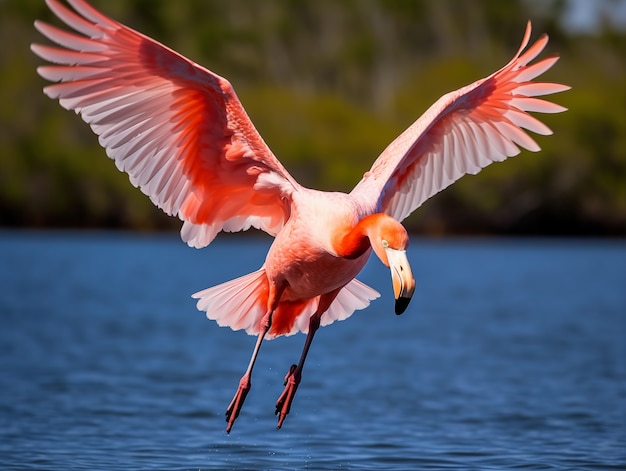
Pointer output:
x,y
183,137
304,258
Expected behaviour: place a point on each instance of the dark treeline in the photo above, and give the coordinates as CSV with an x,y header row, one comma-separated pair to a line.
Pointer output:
x,y
329,84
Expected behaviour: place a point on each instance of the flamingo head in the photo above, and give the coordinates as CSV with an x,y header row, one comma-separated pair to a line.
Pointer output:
x,y
390,240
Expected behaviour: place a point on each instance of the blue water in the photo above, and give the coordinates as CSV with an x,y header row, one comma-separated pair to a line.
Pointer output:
x,y
512,355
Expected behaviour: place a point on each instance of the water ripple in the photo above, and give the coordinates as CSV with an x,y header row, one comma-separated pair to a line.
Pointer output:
x,y
498,364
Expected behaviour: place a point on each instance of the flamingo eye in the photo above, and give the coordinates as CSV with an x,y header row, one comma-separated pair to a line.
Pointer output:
x,y
385,243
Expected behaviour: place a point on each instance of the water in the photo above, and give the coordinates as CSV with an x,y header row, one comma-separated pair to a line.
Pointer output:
x,y
511,355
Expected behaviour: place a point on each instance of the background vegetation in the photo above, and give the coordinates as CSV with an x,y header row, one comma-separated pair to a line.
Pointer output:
x,y
329,84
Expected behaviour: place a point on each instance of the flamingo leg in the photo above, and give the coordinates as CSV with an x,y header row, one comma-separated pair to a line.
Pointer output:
x,y
294,376
245,383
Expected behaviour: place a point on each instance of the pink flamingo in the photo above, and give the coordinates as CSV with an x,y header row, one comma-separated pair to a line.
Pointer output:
x,y
185,140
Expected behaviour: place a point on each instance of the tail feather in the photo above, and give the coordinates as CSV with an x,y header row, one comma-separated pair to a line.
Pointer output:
x,y
354,296
241,304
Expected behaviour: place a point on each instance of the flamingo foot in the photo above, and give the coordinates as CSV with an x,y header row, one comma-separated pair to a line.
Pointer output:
x,y
283,405
235,405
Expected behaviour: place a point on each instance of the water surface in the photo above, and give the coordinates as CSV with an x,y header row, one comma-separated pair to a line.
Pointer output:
x,y
511,355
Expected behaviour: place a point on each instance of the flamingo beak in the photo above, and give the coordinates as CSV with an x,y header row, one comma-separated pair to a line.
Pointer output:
x,y
401,277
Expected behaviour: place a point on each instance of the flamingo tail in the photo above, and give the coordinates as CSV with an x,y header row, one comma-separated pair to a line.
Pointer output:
x,y
241,304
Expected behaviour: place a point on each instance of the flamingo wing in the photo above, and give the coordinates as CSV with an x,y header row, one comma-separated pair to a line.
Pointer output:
x,y
177,129
463,132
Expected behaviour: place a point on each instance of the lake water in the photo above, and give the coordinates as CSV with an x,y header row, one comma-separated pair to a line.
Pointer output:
x,y
512,355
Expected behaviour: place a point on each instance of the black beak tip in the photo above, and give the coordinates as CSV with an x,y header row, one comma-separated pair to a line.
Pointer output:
x,y
401,305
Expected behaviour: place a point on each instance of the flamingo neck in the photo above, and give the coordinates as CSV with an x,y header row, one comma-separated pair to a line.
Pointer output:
x,y
357,240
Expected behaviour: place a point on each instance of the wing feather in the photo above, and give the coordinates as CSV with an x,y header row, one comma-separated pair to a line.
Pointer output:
x,y
463,132
177,129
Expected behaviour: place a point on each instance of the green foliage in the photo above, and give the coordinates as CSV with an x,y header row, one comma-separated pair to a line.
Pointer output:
x,y
329,85
324,141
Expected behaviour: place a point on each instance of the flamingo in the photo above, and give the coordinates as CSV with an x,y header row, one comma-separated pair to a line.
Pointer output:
x,y
183,137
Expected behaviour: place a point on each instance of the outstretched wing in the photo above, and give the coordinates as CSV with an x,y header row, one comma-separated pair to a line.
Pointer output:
x,y
463,132
177,129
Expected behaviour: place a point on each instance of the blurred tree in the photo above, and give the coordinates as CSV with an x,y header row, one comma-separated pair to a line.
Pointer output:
x,y
329,85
